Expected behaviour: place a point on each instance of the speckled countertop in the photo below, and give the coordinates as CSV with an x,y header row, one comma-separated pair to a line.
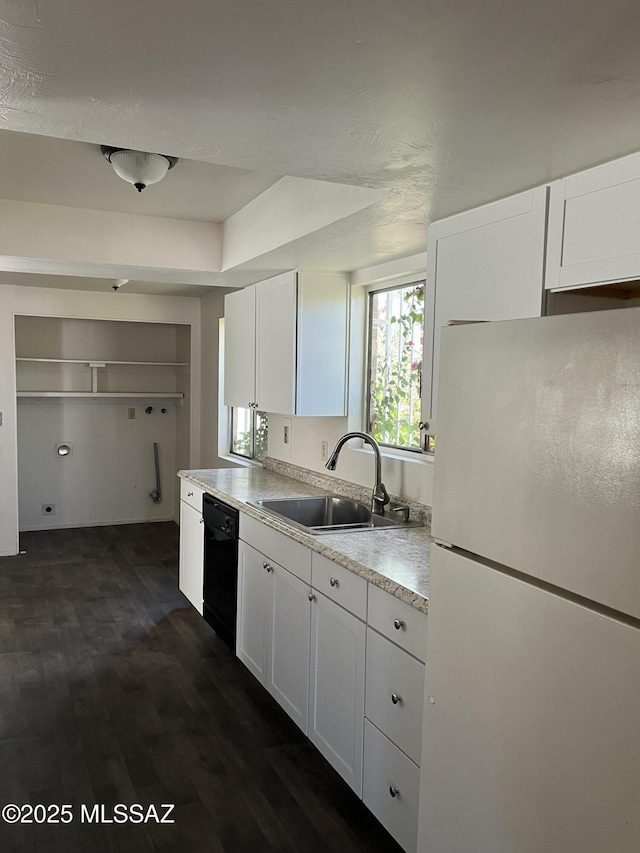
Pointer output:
x,y
395,560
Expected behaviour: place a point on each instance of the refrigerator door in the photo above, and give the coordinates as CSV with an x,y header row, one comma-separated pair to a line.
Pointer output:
x,y
531,740
538,450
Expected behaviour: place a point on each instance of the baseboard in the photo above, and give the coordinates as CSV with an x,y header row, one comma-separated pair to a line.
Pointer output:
x,y
101,523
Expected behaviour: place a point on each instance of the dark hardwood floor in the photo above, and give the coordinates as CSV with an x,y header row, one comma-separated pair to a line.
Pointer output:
x,y
114,690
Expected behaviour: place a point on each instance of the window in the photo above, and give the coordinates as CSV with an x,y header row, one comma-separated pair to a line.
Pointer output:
x,y
249,429
396,340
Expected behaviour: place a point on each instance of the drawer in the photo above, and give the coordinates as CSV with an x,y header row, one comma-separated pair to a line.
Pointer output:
x,y
398,621
340,585
388,771
276,546
191,495
394,694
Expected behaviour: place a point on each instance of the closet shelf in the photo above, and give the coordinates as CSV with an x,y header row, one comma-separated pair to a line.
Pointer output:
x,y
144,394
97,366
100,361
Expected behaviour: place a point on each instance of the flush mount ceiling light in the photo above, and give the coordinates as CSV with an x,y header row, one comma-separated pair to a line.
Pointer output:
x,y
138,167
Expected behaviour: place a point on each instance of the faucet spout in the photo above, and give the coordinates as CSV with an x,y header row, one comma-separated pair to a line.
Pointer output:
x,y
380,497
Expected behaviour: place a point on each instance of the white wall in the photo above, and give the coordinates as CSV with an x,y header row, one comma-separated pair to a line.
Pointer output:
x,y
108,476
407,475
288,210
409,478
62,303
72,241
184,413
211,310
110,472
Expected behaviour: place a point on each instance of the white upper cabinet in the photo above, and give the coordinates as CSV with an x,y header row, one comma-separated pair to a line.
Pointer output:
x,y
487,264
594,226
240,348
276,338
293,359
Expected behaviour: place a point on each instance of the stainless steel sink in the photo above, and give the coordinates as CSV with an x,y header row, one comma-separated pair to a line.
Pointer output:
x,y
331,514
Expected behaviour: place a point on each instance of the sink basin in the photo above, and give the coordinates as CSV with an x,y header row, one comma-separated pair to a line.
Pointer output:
x,y
329,514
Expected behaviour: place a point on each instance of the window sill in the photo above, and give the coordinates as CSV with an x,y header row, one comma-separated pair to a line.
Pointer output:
x,y
240,460
399,455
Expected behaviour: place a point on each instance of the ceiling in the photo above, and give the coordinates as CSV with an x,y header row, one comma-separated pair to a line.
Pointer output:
x,y
442,105
75,174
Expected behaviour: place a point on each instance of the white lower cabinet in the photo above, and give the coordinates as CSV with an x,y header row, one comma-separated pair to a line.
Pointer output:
x,y
336,700
254,612
394,701
391,787
395,694
191,569
355,691
273,629
288,670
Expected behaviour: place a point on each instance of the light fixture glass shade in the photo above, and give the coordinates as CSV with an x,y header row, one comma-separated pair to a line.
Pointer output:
x,y
139,168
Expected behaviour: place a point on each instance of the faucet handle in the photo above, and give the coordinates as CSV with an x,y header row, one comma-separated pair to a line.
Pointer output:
x,y
380,499
401,510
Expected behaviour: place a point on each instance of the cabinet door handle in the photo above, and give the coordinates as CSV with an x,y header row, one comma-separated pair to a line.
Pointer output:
x,y
396,698
334,581
397,624
311,597
267,566
189,494
393,791
202,521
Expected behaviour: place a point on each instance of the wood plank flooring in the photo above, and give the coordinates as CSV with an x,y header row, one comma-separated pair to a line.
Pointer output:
x,y
114,690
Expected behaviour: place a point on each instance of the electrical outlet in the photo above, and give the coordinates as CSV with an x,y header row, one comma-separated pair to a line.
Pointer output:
x,y
324,451
48,509
131,414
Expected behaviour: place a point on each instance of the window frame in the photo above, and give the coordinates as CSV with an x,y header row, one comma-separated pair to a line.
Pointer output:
x,y
255,413
362,363
400,283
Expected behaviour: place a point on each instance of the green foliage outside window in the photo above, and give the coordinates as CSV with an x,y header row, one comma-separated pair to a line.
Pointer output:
x,y
396,349
249,433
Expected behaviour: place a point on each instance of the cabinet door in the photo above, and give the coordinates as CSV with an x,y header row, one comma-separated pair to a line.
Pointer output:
x,y
254,613
276,306
487,264
323,331
288,675
593,226
336,695
240,348
191,572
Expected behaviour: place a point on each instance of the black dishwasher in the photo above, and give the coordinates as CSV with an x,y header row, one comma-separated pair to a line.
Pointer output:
x,y
220,567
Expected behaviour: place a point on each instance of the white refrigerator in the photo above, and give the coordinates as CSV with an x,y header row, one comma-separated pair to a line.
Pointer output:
x,y
532,710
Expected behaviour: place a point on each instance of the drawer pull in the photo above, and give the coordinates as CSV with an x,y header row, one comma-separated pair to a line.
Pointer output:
x,y
312,597
393,791
334,581
267,566
396,698
398,623
189,494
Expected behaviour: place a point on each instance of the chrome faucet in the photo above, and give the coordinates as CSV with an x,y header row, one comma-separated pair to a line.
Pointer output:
x,y
380,497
